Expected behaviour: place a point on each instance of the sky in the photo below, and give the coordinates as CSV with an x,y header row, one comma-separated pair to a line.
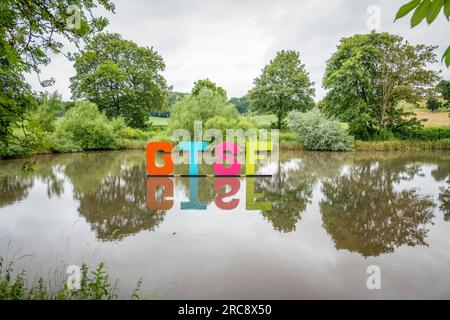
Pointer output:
x,y
230,41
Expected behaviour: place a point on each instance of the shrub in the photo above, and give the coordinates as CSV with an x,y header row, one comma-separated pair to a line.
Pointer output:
x,y
433,104
319,133
427,134
202,107
84,128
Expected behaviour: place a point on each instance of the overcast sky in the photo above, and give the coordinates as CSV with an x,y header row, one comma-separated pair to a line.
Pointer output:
x,y
230,41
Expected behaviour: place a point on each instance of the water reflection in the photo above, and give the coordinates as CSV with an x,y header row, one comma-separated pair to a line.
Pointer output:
x,y
291,186
364,210
370,204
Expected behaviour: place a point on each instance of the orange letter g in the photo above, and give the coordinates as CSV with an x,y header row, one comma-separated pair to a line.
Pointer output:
x,y
152,149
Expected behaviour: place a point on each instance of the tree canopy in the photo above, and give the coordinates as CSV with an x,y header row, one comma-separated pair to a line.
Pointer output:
x,y
370,74
121,78
242,104
29,30
283,86
444,88
207,84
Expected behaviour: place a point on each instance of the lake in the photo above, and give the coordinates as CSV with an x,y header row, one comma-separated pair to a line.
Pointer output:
x,y
311,230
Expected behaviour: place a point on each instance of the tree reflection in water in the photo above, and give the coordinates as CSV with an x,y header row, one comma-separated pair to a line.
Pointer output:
x,y
290,188
441,174
364,211
112,194
363,207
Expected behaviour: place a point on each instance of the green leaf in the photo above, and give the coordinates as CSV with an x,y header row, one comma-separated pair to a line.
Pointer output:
x,y
420,13
447,9
446,57
434,10
407,8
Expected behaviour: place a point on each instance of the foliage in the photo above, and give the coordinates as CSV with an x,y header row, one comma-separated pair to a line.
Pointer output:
x,y
29,31
94,285
428,9
45,115
84,128
433,104
16,100
122,78
202,107
208,85
369,75
283,86
319,133
242,104
444,88
223,123
427,134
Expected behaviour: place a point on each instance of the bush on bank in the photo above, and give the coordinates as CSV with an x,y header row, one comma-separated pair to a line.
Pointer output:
x,y
84,127
317,132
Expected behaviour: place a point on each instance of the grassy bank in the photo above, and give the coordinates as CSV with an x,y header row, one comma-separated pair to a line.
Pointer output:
x,y
393,145
94,285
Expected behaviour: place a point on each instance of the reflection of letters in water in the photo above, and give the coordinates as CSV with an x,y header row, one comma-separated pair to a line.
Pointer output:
x,y
160,193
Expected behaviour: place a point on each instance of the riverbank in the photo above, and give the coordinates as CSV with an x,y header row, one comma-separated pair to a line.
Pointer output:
x,y
290,145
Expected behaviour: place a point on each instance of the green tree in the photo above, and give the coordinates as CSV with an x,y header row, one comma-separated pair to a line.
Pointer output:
x,y
444,88
283,86
369,75
122,78
208,85
204,106
29,30
433,104
428,9
242,104
45,115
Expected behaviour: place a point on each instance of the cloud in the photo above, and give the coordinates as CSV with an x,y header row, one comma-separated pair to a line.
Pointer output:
x,y
231,41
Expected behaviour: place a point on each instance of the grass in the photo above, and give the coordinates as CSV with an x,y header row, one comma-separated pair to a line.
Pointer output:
x,y
401,145
263,121
158,121
434,119
93,285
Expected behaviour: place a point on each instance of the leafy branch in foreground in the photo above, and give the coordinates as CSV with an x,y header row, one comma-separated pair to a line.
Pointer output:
x,y
429,10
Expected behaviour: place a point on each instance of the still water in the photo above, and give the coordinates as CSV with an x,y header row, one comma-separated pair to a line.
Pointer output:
x,y
309,231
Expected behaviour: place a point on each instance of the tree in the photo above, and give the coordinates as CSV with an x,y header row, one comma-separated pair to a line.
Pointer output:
x,y
204,106
242,104
283,86
444,88
122,78
369,75
29,30
433,104
207,84
428,9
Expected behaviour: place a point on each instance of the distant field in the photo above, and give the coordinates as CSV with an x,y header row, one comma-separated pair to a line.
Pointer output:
x,y
158,121
263,120
434,119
